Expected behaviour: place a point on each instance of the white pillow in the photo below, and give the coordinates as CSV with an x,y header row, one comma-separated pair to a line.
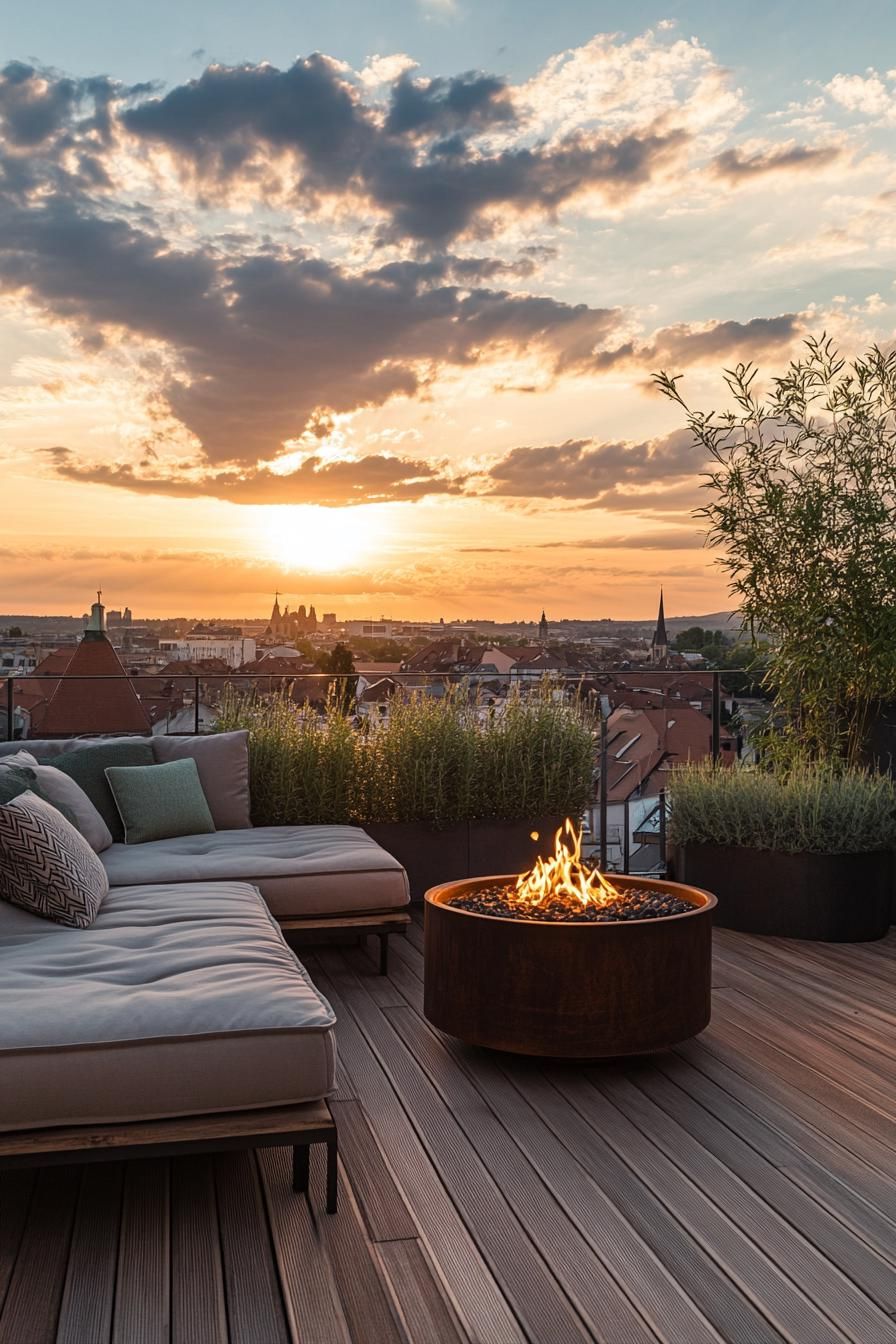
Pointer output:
x,y
64,793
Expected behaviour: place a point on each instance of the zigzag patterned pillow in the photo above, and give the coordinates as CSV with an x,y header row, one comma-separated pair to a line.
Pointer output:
x,y
46,866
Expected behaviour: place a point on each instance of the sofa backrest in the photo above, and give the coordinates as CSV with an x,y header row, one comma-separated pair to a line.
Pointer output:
x,y
222,760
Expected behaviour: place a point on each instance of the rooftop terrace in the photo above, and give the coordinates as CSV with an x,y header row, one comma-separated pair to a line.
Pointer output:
x,y
740,1188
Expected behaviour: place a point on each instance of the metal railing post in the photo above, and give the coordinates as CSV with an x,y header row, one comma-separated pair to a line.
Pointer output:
x,y
716,750
626,855
196,706
603,792
663,828
10,710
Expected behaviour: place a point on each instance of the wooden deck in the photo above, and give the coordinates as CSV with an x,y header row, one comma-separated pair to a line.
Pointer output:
x,y
741,1188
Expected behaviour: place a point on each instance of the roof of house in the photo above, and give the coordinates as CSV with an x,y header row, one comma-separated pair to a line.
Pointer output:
x,y
442,655
80,704
642,742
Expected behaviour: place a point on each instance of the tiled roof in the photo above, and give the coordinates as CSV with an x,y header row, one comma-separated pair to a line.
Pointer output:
x,y
80,705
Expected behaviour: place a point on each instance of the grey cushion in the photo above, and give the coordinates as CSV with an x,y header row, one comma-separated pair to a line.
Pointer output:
x,y
46,866
176,1002
61,790
87,765
222,760
300,870
157,802
47,748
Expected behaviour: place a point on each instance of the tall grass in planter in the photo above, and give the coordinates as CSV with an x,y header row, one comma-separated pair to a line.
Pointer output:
x,y
804,851
535,758
302,766
419,765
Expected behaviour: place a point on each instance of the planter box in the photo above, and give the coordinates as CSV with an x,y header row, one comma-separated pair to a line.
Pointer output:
x,y
834,898
470,849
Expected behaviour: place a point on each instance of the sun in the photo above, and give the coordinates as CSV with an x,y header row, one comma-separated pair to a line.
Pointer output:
x,y
305,536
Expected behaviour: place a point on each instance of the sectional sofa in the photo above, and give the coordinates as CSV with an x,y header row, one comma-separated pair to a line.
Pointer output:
x,y
181,1018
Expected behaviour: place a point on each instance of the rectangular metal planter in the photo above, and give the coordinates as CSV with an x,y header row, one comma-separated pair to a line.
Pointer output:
x,y
470,849
835,898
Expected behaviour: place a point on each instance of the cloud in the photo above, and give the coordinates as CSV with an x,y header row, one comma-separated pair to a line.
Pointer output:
x,y
424,167
582,469
643,540
735,166
470,101
254,344
871,95
374,479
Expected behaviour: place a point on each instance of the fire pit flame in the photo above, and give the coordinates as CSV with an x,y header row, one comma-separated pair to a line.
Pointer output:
x,y
563,879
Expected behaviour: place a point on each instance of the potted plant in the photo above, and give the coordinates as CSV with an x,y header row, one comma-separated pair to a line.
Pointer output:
x,y
800,486
452,787
802,851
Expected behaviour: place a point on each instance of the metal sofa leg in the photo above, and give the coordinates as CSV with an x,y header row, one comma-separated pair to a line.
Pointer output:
x,y
300,1167
384,953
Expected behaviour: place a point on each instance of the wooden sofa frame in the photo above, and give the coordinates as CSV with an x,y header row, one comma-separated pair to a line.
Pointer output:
x,y
379,925
297,1127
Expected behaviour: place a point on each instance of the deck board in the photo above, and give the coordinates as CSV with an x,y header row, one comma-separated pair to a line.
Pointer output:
x,y
740,1187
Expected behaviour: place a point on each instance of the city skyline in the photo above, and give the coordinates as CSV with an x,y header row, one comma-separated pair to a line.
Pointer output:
x,y
366,306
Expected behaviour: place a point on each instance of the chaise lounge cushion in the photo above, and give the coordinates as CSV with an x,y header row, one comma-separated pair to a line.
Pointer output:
x,y
174,1002
301,871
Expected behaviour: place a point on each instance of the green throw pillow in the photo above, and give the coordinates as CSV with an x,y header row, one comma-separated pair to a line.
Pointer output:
x,y
16,779
159,802
19,779
86,765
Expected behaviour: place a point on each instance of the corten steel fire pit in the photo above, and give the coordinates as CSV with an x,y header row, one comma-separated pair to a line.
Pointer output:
x,y
563,987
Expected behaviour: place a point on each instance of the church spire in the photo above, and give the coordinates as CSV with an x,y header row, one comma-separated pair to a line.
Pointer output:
x,y
543,628
660,644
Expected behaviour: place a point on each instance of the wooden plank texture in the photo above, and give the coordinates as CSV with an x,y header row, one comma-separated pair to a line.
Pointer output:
x,y
739,1188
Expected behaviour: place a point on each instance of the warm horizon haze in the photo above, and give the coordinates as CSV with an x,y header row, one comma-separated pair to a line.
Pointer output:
x,y
362,304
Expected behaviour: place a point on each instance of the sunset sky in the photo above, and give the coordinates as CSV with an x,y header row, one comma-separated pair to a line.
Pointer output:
x,y
361,302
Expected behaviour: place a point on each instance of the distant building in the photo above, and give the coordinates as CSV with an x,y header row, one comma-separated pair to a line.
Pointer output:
x,y
659,645
234,650
543,629
328,619
369,629
288,624
80,702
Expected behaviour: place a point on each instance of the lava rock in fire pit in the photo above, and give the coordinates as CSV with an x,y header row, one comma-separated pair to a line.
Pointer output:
x,y
501,902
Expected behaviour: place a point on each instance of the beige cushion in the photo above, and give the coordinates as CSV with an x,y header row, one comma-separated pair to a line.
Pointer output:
x,y
63,792
177,1001
222,760
300,870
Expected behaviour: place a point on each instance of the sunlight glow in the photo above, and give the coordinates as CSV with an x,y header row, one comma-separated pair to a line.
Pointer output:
x,y
304,536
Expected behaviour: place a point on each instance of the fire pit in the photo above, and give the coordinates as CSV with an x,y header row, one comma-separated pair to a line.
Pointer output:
x,y
563,962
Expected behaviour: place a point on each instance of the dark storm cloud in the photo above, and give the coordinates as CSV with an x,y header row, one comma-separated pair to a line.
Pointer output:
x,y
734,166
369,480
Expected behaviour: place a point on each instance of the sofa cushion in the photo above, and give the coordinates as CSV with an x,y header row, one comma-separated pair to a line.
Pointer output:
x,y
46,866
300,870
158,802
178,1001
222,760
87,767
66,796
